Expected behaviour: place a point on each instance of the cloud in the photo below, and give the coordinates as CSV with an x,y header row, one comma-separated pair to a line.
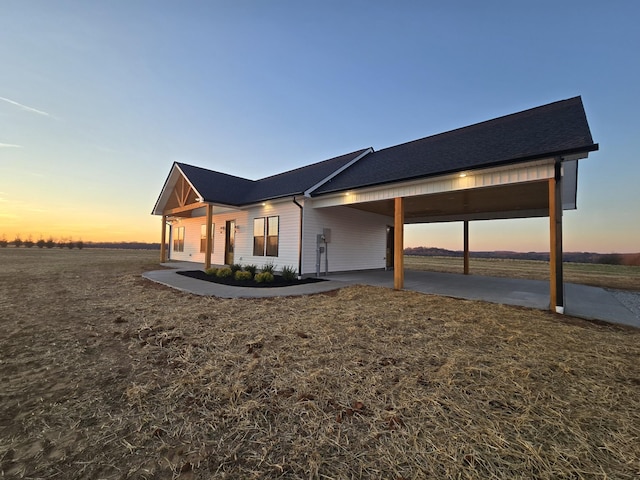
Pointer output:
x,y
9,145
25,107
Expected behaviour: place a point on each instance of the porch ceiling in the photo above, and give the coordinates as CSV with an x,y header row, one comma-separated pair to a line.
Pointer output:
x,y
520,200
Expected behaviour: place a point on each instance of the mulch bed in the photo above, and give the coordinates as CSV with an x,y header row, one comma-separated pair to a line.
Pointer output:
x,y
278,281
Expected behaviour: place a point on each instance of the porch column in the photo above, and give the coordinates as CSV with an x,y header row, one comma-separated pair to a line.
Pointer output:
x,y
555,251
163,248
207,250
398,245
466,246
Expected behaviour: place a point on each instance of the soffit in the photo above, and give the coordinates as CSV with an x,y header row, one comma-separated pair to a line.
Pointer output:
x,y
507,201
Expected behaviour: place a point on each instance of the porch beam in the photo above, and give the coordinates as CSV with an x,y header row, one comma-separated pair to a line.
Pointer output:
x,y
398,244
556,284
207,254
466,246
186,208
163,248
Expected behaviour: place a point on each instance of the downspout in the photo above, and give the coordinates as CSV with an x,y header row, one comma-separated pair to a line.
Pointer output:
x,y
300,239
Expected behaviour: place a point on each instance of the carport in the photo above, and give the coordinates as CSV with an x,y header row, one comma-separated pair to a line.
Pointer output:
x,y
522,165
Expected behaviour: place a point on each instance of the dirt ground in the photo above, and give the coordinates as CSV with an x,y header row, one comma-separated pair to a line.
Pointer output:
x,y
106,375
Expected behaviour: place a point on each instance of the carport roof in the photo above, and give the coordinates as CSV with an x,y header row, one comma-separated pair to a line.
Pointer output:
x,y
555,129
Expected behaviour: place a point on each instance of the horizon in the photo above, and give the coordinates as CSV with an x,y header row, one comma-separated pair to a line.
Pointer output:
x,y
88,243
99,99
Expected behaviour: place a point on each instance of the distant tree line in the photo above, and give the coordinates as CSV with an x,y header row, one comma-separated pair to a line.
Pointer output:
x,y
41,243
576,257
71,244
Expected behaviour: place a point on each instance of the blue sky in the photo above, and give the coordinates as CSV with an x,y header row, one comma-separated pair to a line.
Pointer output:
x,y
97,99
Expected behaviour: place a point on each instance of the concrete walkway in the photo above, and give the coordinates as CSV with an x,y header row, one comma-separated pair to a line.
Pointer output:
x,y
581,301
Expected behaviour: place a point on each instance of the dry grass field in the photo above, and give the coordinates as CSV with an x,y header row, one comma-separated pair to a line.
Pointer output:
x,y
621,277
106,375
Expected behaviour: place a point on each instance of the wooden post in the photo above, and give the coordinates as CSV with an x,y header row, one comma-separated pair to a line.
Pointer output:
x,y
398,245
163,248
207,250
466,246
556,284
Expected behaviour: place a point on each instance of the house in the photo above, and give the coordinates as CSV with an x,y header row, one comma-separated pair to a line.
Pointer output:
x,y
348,212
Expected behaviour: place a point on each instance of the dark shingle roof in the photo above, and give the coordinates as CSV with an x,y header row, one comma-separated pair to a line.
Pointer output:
x,y
226,189
557,128
217,187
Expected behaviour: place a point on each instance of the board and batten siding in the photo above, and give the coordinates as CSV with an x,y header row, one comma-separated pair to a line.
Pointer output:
x,y
358,239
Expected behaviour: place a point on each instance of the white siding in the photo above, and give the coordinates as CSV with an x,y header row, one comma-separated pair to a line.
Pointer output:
x,y
289,231
289,224
358,239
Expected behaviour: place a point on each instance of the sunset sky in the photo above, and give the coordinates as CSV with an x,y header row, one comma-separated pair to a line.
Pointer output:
x,y
99,98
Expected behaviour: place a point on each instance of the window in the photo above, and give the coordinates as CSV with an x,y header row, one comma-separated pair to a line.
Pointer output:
x,y
203,237
178,239
265,236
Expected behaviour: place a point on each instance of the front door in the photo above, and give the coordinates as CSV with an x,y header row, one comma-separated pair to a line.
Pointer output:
x,y
230,240
390,241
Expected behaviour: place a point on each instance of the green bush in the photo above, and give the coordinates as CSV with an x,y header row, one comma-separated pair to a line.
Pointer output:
x,y
211,271
236,267
289,273
242,275
251,268
224,272
268,268
264,277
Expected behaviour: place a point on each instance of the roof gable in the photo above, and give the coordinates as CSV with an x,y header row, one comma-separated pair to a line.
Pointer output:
x,y
221,188
557,128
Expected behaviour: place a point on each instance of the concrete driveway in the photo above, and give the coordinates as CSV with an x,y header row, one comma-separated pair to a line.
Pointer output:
x,y
592,303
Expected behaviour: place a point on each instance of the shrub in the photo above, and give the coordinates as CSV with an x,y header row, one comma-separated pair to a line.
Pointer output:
x,y
289,273
17,242
40,243
252,269
236,267
211,271
224,272
50,243
80,244
268,268
29,242
242,275
264,277
3,242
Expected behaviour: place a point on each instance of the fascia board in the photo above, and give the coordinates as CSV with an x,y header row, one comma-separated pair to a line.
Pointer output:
x,y
200,197
309,191
156,210
169,183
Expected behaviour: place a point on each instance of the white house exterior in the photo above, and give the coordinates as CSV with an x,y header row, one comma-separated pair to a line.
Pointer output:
x,y
348,212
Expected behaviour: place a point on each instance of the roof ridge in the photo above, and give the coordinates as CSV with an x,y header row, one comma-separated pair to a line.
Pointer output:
x,y
312,164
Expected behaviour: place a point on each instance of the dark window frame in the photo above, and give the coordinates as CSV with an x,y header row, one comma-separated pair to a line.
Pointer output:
x,y
267,242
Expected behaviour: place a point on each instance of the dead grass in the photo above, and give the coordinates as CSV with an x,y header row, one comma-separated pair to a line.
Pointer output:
x,y
623,277
105,375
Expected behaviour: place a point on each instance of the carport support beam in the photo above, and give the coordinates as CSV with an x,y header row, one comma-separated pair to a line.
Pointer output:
x,y
555,251
207,254
466,247
163,248
398,245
